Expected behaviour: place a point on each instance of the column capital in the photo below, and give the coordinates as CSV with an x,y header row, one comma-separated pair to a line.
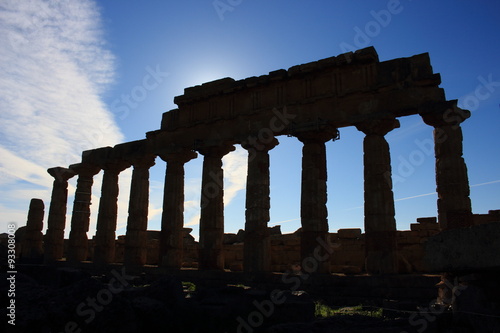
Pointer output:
x,y
61,174
258,145
451,115
85,169
182,156
216,151
378,126
115,165
146,161
320,136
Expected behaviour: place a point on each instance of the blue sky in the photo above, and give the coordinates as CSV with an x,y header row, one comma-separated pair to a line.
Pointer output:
x,y
83,74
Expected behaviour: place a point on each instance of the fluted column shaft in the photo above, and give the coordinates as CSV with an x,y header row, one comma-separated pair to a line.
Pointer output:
x,y
452,182
80,220
313,211
211,255
137,222
380,224
104,250
33,237
54,238
257,245
172,220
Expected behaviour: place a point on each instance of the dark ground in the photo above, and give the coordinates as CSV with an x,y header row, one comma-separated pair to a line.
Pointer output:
x,y
71,300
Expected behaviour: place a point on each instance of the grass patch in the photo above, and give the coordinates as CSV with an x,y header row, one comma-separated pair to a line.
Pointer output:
x,y
324,311
189,286
238,286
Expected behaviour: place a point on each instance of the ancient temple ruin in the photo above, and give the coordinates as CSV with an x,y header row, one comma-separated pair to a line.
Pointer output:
x,y
310,102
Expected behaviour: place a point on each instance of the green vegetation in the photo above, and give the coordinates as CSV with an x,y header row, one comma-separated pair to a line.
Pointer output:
x,y
239,286
324,311
189,286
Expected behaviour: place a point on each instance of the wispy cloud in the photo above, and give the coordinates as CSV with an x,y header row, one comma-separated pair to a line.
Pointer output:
x,y
487,183
428,194
285,221
235,173
54,68
415,196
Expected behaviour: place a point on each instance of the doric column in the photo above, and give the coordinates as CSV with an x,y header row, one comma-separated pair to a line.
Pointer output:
x,y
452,182
80,220
380,224
257,246
54,238
172,219
104,250
137,221
32,241
313,211
211,255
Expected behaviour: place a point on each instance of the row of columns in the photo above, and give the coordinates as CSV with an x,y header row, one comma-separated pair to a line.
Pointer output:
x,y
380,225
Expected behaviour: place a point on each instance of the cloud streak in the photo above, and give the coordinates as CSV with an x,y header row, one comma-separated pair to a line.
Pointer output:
x,y
428,194
54,68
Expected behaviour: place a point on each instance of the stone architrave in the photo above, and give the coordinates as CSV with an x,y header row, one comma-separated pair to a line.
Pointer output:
x,y
56,223
32,241
137,222
105,237
80,220
257,245
380,224
211,256
313,211
452,182
172,221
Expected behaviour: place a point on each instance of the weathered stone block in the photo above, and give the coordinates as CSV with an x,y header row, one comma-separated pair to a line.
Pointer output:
x,y
424,234
276,242
349,233
275,231
153,251
236,266
230,238
295,235
279,268
424,226
153,234
427,219
241,236
291,242
410,240
475,247
276,257
334,237
350,247
346,269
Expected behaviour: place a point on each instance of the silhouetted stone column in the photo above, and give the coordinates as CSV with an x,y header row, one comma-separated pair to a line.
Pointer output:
x,y
137,222
104,250
172,220
257,245
212,208
32,241
380,224
313,211
54,238
452,182
80,220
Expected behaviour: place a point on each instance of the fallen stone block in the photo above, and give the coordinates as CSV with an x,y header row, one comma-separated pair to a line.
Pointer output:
x,y
349,233
432,219
475,247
